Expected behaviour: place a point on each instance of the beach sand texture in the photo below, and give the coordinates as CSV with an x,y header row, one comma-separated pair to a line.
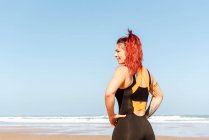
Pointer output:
x,y
22,136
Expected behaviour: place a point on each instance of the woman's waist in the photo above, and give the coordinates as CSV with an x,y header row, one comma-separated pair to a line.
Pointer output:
x,y
136,112
139,108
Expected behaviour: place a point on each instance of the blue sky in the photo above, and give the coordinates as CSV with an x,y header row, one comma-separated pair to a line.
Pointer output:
x,y
56,57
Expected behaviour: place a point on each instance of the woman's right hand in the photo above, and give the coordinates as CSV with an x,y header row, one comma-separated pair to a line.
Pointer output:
x,y
113,119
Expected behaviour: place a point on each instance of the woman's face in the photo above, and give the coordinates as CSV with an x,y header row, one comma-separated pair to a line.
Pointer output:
x,y
120,53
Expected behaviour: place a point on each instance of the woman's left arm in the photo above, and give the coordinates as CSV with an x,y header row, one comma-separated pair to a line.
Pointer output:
x,y
157,97
116,81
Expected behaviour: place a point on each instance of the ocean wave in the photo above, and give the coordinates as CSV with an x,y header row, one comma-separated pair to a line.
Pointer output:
x,y
102,119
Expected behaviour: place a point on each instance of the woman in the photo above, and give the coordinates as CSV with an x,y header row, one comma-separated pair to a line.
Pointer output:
x,y
131,84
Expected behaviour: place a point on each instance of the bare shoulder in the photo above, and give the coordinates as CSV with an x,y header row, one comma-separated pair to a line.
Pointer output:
x,y
120,73
117,79
121,69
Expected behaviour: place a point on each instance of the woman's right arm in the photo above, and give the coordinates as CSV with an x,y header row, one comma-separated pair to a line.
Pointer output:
x,y
116,81
157,97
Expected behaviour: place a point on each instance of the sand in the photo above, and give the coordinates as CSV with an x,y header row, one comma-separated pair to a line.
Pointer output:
x,y
26,136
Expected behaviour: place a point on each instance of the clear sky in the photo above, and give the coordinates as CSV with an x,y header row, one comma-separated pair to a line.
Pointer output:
x,y
56,57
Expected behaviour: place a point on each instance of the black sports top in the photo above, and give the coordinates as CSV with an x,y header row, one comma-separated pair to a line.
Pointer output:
x,y
128,98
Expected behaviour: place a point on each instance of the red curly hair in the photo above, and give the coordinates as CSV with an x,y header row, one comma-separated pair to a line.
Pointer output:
x,y
133,50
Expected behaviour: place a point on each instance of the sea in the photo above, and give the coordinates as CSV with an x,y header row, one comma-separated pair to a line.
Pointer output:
x,y
163,125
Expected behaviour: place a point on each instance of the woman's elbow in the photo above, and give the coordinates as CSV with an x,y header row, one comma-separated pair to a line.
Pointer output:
x,y
109,94
161,96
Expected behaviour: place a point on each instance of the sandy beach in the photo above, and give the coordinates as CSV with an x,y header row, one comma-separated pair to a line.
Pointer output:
x,y
22,136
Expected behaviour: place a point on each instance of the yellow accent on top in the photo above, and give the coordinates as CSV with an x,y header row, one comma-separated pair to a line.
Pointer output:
x,y
136,104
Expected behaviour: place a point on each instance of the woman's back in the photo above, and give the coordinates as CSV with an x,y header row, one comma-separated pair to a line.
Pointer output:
x,y
133,95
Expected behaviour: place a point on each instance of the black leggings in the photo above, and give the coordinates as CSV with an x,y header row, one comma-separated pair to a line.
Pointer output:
x,y
133,127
